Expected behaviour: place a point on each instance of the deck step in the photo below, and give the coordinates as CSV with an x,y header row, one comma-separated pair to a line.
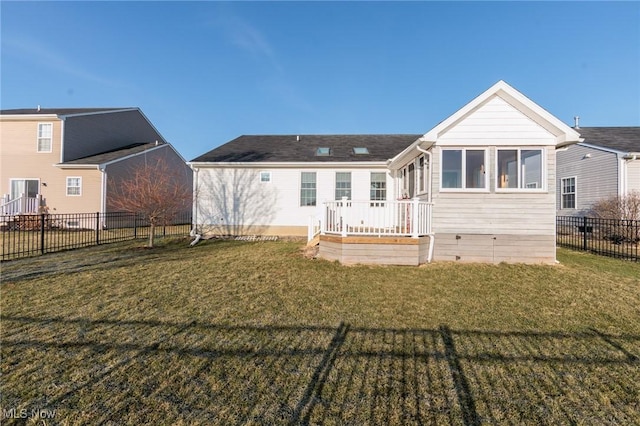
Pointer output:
x,y
314,242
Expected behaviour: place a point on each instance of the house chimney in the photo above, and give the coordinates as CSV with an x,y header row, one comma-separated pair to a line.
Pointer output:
x,y
576,120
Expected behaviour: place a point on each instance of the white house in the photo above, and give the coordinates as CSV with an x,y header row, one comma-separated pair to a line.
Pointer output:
x,y
479,186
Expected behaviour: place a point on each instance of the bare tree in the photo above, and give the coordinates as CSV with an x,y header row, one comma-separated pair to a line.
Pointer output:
x,y
154,190
619,207
623,213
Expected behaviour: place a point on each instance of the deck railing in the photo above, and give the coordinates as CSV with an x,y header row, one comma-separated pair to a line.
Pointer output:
x,y
405,218
20,205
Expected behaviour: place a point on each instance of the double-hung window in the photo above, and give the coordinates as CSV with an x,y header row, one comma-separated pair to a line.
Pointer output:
x,y
378,191
45,137
74,185
568,193
265,177
343,185
519,169
463,168
308,189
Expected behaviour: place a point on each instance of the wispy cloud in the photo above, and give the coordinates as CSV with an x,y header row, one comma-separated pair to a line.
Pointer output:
x,y
49,58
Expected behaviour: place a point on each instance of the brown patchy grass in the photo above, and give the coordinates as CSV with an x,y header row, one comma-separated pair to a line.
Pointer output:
x,y
256,333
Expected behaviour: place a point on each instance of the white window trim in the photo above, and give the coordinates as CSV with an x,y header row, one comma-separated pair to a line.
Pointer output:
x,y
300,188
335,183
487,185
79,186
542,188
575,193
266,173
38,139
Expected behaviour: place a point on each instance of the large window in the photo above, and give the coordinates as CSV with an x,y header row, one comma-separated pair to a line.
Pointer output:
x,y
343,185
378,191
45,137
568,195
519,169
74,186
308,189
463,169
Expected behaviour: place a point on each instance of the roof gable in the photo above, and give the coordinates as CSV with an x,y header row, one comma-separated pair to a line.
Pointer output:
x,y
563,133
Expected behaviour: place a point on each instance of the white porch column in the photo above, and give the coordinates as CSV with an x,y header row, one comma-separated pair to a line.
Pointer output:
x,y
415,217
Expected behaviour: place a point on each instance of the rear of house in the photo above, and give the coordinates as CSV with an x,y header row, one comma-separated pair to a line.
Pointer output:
x,y
480,186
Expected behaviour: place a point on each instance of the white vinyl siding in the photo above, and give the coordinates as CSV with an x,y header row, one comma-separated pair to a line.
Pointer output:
x,y
45,137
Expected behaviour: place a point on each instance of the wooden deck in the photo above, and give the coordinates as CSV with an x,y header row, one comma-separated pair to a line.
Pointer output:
x,y
374,250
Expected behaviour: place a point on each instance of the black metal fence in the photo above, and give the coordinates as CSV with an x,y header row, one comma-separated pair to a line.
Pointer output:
x,y
33,235
607,237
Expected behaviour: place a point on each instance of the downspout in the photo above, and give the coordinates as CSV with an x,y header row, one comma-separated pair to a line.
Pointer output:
x,y
431,235
194,229
103,197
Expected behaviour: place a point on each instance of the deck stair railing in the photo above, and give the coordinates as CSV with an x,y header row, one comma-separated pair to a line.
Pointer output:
x,y
20,205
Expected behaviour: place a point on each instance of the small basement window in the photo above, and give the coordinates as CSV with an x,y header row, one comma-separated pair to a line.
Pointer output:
x,y
360,150
323,151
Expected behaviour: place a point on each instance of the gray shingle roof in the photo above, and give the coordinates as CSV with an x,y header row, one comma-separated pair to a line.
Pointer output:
x,y
57,111
623,139
287,148
105,157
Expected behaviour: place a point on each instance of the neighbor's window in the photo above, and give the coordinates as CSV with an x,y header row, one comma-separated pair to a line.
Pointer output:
x,y
568,194
343,185
463,169
74,185
265,176
378,191
308,188
519,169
45,137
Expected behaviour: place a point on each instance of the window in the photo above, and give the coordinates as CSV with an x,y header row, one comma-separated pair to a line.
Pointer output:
x,y
323,151
463,169
519,169
265,176
308,189
45,136
24,187
360,150
74,185
568,193
343,185
378,191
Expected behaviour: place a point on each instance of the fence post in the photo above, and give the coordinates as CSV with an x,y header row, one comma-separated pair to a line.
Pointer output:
x,y
135,226
584,233
42,233
98,228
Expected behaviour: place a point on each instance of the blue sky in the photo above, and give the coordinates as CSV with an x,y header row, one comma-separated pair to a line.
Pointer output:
x,y
207,72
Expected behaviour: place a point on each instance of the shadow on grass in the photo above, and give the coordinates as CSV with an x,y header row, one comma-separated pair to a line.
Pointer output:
x,y
133,372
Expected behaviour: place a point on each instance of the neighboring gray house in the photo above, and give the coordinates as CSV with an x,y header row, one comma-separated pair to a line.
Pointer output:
x,y
605,164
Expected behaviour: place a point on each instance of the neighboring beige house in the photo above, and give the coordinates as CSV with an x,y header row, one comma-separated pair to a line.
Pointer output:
x,y
479,186
64,160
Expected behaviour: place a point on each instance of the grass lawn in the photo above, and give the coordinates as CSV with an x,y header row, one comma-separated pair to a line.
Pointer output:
x,y
255,333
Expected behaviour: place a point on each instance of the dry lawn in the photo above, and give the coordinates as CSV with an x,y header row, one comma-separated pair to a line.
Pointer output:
x,y
255,333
